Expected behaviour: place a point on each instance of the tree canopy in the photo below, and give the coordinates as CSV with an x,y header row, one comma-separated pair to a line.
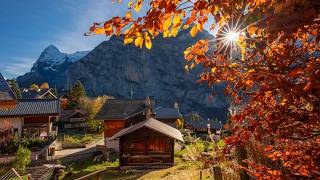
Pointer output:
x,y
75,94
266,52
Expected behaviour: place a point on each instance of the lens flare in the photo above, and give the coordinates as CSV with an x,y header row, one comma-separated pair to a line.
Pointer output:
x,y
232,36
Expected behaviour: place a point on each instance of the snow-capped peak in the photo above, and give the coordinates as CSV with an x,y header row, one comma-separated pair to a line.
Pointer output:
x,y
52,54
51,57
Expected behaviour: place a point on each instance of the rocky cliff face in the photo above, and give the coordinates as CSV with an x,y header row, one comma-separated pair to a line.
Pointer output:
x,y
112,68
115,69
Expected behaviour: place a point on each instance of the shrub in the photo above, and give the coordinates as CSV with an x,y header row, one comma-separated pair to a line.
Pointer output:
x,y
22,159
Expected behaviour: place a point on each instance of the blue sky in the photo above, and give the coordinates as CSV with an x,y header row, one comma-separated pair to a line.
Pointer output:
x,y
29,26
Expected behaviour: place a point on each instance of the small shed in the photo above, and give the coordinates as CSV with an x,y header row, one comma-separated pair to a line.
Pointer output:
x,y
148,144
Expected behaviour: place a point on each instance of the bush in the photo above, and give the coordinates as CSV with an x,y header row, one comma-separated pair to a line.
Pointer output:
x,y
22,159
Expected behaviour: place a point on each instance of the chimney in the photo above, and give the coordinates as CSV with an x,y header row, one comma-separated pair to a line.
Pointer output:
x,y
148,105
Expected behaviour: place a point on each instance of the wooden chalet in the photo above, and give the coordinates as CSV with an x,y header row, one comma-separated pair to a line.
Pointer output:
x,y
74,119
119,114
27,117
149,143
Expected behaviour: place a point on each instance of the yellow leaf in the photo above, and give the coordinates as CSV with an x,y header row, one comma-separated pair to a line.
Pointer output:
x,y
128,14
128,40
216,9
166,33
167,23
185,26
251,71
213,70
174,32
148,42
193,31
138,42
199,27
176,19
186,67
233,65
187,51
138,6
99,31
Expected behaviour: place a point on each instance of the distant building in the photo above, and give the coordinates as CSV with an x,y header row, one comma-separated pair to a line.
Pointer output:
x,y
26,117
74,120
38,94
167,115
198,124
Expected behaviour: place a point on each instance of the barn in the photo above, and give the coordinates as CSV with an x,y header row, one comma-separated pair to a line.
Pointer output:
x,y
147,144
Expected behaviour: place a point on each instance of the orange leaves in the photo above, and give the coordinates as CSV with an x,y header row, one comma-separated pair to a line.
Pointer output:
x,y
194,31
99,31
197,51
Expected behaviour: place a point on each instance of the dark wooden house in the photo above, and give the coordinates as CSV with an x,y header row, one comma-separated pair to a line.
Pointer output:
x,y
149,143
74,120
167,115
119,114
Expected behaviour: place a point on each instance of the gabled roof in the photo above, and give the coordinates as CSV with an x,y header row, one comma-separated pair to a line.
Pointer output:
x,y
6,93
66,114
33,94
120,109
154,125
32,107
167,113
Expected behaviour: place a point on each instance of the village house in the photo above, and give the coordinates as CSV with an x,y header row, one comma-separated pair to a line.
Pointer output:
x,y
74,120
120,114
38,94
26,117
196,123
149,143
167,115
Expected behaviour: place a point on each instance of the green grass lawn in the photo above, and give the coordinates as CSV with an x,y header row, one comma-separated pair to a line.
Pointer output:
x,y
184,170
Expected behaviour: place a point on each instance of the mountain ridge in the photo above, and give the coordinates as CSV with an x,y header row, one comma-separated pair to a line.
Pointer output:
x,y
115,69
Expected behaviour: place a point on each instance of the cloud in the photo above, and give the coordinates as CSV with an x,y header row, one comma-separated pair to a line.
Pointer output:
x,y
16,66
82,18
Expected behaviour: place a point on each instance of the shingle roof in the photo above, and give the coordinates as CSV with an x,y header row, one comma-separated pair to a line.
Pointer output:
x,y
66,114
120,109
6,93
154,125
33,107
164,113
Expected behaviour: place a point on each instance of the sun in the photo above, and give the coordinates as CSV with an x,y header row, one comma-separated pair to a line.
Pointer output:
x,y
232,36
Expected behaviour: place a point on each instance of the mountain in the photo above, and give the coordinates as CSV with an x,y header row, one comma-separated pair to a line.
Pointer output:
x,y
116,69
50,64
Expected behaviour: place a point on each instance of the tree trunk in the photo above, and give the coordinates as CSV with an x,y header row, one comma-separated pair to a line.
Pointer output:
x,y
242,155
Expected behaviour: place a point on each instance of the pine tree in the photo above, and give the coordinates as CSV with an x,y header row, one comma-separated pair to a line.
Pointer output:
x,y
15,87
75,94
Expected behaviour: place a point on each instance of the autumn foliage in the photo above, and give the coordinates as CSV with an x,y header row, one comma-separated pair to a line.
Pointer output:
x,y
271,71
